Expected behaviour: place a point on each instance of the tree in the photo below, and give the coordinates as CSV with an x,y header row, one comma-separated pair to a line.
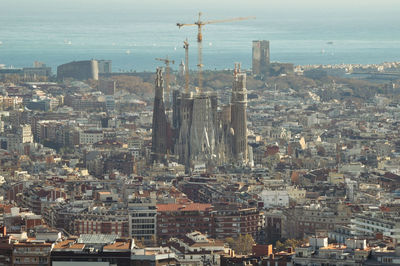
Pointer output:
x,y
230,241
292,243
279,245
289,243
241,245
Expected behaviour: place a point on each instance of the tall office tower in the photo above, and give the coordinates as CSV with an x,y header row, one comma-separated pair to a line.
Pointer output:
x,y
261,57
160,125
238,117
104,66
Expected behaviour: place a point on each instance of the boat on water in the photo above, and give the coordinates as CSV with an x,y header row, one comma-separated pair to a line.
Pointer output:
x,y
330,42
128,51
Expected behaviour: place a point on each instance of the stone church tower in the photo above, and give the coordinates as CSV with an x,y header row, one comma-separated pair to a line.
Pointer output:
x,y
239,117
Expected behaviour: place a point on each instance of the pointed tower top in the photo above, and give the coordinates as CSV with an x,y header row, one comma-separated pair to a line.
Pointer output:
x,y
159,78
235,71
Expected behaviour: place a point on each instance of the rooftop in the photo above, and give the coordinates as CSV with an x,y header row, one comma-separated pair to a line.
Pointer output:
x,y
118,245
96,238
183,207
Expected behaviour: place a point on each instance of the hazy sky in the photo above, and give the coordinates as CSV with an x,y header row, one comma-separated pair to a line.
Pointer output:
x,y
246,6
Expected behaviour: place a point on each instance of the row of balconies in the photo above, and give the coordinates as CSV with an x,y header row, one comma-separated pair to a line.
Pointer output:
x,y
30,252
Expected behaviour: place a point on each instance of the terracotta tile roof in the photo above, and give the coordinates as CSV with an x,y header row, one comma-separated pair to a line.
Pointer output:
x,y
63,244
6,208
77,246
174,207
118,245
68,244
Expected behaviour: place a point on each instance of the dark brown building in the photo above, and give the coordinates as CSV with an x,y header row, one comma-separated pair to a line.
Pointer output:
x,y
232,220
174,220
220,221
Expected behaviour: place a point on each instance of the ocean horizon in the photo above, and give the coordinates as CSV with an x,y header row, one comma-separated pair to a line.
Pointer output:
x,y
133,41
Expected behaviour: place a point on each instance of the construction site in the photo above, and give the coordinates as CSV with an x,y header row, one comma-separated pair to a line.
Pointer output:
x,y
189,126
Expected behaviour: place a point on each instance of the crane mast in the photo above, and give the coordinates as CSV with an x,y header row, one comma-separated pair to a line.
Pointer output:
x,y
199,23
199,52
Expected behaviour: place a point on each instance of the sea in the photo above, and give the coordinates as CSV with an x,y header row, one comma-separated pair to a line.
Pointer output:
x,y
132,40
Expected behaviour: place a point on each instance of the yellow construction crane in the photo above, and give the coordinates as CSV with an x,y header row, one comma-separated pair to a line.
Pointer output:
x,y
199,25
186,46
166,62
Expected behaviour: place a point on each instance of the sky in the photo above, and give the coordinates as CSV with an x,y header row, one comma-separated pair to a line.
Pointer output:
x,y
187,10
157,6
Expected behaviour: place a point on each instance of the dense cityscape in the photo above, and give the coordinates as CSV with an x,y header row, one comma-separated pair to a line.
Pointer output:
x,y
278,164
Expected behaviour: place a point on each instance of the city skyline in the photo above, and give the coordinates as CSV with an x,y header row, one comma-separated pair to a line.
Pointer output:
x,y
143,134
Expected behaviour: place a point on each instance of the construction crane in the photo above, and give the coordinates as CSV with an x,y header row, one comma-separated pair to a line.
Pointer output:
x,y
186,46
166,62
199,25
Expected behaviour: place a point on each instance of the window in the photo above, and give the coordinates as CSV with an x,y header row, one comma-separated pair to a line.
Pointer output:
x,y
387,260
